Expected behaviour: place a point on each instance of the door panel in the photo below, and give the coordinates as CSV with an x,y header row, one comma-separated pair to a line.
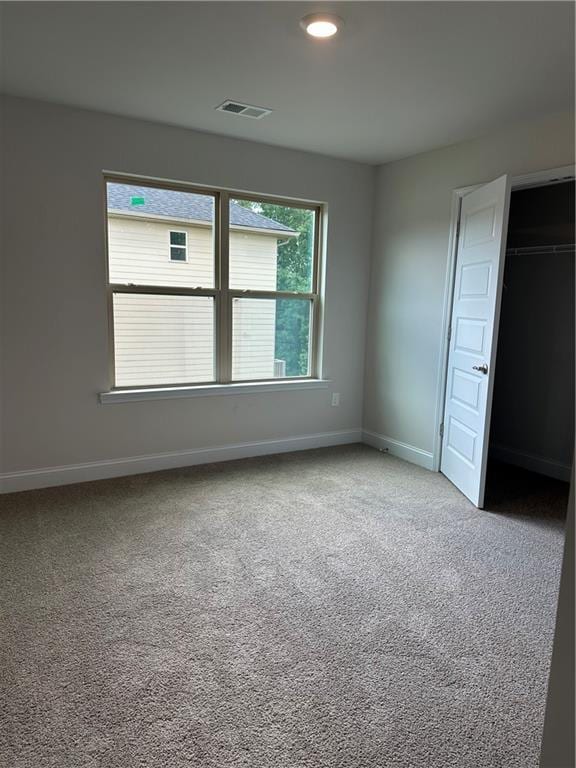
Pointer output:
x,y
472,353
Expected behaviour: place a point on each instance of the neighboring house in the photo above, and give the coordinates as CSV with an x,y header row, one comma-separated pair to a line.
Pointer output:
x,y
165,238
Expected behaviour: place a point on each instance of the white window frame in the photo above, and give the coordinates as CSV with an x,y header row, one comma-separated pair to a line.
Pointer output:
x,y
171,245
223,297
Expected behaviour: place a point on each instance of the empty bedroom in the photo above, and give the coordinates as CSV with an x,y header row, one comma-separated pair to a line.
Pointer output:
x,y
287,384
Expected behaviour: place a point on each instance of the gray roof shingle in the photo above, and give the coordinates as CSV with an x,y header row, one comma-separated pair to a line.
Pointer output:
x,y
182,205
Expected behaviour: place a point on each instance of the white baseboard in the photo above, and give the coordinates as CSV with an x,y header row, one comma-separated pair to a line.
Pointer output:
x,y
401,450
135,465
548,467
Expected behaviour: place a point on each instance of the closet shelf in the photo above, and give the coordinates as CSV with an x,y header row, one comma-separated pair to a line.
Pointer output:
x,y
527,249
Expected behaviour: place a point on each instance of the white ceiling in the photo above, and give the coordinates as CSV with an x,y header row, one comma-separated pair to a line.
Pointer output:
x,y
401,78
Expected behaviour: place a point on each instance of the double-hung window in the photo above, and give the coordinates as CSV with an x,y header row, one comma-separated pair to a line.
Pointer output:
x,y
241,305
178,245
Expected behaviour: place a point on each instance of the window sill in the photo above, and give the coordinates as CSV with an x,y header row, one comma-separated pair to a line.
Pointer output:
x,y
210,390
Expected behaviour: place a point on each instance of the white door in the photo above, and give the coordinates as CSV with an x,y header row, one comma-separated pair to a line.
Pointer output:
x,y
473,337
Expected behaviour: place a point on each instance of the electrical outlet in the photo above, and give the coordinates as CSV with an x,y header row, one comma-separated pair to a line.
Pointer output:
x,y
335,399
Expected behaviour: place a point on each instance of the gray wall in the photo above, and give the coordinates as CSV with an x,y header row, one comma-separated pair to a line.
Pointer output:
x,y
54,305
411,229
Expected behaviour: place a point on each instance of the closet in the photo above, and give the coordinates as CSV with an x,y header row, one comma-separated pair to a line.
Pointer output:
x,y
532,422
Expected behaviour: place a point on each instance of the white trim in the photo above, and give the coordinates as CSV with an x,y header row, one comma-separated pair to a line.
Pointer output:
x,y
548,467
117,213
538,178
210,390
446,318
135,465
401,450
171,245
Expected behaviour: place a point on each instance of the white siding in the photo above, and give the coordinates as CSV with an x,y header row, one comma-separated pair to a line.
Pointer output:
x,y
163,339
170,339
253,338
139,252
253,261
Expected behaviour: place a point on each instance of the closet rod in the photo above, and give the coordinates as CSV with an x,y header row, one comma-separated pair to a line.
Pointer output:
x,y
527,249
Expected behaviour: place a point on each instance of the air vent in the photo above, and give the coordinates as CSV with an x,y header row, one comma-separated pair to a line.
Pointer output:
x,y
245,110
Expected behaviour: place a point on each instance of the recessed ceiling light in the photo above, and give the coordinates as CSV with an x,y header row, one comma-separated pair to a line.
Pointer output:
x,y
321,24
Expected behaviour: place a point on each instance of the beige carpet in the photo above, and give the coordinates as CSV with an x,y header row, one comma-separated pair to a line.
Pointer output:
x,y
326,609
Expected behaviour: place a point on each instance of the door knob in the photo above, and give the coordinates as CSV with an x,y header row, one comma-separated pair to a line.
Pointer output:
x,y
483,368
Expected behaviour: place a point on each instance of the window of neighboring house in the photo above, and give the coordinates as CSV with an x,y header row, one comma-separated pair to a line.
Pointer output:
x,y
178,247
245,309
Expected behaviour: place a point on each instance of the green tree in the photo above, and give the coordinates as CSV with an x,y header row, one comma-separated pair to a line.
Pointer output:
x,y
294,273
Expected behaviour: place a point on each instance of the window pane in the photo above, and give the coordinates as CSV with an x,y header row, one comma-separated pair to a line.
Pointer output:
x,y
178,238
178,254
270,338
271,246
140,220
163,339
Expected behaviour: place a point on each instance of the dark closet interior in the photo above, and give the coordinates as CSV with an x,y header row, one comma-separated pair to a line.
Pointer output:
x,y
532,422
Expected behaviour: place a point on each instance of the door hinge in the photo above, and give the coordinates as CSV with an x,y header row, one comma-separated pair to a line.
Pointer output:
x,y
442,429
449,332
